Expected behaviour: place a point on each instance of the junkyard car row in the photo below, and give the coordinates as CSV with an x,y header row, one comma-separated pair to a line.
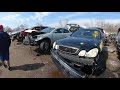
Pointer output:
x,y
71,51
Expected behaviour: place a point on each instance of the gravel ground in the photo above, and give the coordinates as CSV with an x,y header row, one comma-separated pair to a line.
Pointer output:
x,y
26,64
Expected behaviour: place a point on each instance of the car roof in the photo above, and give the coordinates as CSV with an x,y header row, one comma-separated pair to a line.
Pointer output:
x,y
100,29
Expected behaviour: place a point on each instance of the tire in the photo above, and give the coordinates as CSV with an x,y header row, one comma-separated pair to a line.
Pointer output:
x,y
105,43
44,46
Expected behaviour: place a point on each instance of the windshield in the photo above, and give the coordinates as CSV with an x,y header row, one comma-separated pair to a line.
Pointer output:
x,y
47,30
87,33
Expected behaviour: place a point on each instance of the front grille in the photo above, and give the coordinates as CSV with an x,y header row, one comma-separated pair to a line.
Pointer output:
x,y
76,58
67,49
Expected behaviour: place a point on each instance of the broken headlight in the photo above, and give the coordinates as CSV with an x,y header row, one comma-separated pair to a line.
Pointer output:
x,y
92,53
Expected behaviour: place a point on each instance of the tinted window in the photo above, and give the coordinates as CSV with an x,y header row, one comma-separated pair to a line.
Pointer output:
x,y
119,33
65,31
58,31
87,33
47,30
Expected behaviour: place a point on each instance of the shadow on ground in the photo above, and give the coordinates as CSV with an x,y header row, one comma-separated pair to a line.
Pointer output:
x,y
102,62
28,67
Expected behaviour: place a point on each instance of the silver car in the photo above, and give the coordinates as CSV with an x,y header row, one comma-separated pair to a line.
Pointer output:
x,y
49,35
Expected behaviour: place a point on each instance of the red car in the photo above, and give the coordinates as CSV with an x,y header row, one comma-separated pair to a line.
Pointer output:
x,y
39,28
22,34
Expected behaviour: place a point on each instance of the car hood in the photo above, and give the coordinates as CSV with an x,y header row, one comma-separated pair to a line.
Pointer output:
x,y
81,43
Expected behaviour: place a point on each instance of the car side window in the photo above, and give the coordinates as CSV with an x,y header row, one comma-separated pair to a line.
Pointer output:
x,y
65,31
119,34
58,31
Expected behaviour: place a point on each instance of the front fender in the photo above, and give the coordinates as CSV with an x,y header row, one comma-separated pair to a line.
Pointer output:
x,y
38,39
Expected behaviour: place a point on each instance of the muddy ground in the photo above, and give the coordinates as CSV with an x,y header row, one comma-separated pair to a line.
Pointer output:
x,y
26,64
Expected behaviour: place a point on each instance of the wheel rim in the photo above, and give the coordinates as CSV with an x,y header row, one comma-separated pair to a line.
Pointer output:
x,y
46,46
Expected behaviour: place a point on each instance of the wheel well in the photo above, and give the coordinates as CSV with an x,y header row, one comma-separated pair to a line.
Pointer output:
x,y
44,39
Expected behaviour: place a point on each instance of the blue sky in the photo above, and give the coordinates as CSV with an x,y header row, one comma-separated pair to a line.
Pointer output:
x,y
13,19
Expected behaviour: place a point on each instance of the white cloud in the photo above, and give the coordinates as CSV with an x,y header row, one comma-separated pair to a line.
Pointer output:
x,y
10,17
39,15
27,19
18,19
72,15
45,13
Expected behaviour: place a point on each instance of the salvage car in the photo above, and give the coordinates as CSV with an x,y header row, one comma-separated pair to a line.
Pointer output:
x,y
48,36
117,42
73,27
80,50
38,28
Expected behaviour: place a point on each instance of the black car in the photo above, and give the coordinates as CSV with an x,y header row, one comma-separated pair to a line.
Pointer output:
x,y
78,52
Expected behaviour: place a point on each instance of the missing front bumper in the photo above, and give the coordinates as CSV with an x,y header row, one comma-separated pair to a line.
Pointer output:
x,y
65,67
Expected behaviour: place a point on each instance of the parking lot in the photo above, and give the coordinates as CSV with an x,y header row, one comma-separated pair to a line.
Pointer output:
x,y
27,64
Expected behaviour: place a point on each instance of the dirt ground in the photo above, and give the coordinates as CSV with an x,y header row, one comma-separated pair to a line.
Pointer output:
x,y
109,53
26,64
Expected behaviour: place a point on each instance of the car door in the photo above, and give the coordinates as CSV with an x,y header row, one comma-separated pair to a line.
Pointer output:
x,y
118,38
66,33
57,34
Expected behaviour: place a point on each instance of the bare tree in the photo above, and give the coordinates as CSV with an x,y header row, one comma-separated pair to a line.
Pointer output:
x,y
63,23
23,26
7,29
60,23
109,27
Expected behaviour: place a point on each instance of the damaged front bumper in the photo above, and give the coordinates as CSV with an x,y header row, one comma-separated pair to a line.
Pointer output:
x,y
65,67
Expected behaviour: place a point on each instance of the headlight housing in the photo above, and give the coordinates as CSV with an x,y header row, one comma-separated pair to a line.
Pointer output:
x,y
82,53
55,46
92,53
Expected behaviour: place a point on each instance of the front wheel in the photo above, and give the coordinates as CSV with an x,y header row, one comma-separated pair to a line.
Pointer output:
x,y
44,46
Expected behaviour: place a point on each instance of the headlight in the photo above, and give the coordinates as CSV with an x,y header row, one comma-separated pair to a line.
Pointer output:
x,y
55,46
82,53
92,53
